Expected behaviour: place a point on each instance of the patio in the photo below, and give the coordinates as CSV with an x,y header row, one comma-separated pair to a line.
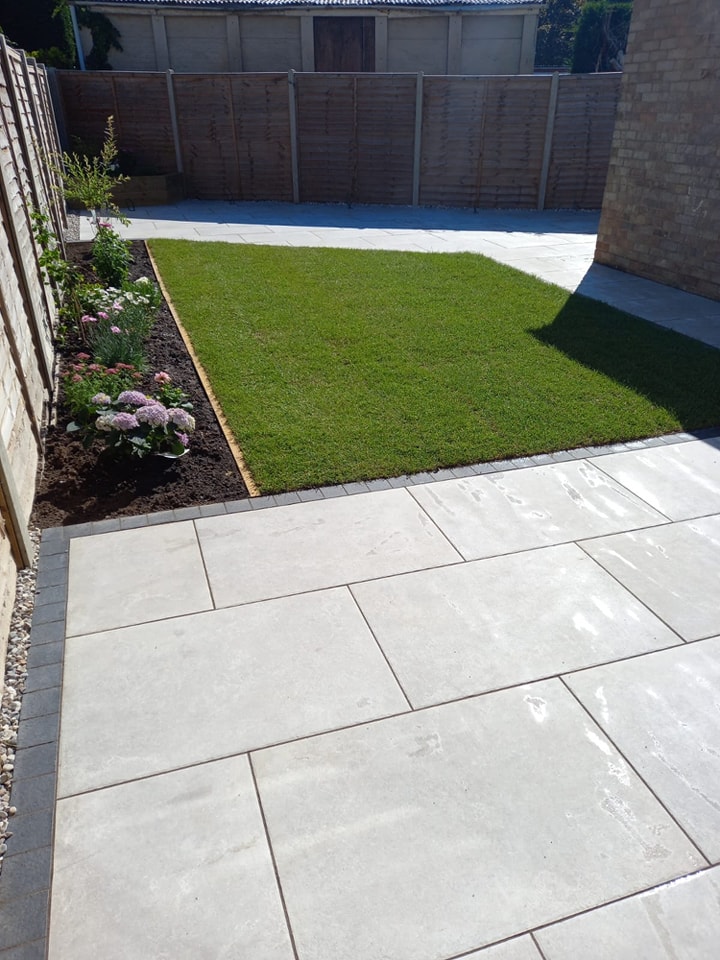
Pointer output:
x,y
470,714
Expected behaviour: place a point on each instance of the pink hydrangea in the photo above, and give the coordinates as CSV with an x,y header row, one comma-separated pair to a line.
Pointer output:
x,y
124,421
101,399
154,414
133,398
181,418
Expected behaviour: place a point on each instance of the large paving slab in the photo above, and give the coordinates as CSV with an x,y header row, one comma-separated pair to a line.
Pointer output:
x,y
469,628
521,948
436,833
518,510
675,570
175,867
681,480
307,546
663,712
132,576
678,921
153,697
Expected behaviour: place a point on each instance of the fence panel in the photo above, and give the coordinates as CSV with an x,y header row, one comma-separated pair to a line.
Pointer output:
x,y
27,137
584,124
481,140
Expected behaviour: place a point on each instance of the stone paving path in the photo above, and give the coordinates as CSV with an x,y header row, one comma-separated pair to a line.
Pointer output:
x,y
475,717
555,245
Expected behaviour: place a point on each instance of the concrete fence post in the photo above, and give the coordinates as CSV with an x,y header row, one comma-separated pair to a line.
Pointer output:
x,y
418,139
292,104
549,133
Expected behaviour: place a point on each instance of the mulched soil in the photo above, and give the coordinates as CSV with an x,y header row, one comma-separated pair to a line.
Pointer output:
x,y
78,485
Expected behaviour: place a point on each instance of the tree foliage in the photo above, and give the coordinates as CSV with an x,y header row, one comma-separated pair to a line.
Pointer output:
x,y
556,33
44,29
601,38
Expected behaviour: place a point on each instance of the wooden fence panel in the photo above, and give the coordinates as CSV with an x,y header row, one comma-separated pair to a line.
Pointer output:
x,y
584,124
327,145
27,137
452,140
482,140
515,120
261,110
206,122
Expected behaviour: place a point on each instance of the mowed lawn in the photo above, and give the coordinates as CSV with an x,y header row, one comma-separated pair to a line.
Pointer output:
x,y
337,365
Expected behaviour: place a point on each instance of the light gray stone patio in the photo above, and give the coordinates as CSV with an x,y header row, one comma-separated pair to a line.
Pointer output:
x,y
473,717
327,730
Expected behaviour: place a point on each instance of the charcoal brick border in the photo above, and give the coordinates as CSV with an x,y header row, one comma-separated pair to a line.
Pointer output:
x,y
26,878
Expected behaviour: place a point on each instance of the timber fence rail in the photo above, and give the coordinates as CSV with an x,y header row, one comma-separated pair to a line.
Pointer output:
x,y
517,141
28,137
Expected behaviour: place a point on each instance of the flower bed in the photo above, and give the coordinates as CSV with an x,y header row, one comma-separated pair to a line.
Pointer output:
x,y
80,483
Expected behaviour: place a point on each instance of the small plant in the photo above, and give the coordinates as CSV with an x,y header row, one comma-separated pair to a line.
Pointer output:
x,y
139,302
120,321
136,425
110,256
84,379
91,180
111,343
64,279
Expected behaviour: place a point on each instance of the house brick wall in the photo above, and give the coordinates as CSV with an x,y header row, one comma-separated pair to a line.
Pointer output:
x,y
661,210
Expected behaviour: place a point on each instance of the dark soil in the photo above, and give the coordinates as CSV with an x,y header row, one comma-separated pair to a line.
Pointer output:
x,y
78,485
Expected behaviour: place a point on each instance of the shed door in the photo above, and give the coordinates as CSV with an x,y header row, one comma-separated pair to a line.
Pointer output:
x,y
344,44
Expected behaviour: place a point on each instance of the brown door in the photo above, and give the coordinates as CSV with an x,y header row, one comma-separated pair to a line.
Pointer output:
x,y
344,44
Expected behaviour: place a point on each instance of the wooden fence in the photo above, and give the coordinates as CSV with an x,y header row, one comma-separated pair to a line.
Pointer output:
x,y
518,141
27,137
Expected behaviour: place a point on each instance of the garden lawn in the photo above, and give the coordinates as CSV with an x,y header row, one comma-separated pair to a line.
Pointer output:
x,y
337,365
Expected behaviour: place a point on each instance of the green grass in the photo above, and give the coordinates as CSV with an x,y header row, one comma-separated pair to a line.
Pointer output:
x,y
338,365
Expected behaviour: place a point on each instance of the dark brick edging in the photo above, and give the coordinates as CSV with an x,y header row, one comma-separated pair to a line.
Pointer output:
x,y
26,877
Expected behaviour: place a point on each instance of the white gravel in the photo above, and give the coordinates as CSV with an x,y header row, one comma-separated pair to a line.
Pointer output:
x,y
14,684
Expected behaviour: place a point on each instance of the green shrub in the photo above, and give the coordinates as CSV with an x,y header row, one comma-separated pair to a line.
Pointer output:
x,y
84,380
110,256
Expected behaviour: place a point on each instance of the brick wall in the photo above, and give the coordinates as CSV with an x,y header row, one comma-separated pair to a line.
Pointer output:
x,y
661,210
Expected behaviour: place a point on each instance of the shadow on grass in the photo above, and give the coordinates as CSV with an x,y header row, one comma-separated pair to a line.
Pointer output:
x,y
671,370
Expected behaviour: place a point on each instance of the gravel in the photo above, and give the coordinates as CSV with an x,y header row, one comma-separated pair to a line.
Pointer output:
x,y
14,684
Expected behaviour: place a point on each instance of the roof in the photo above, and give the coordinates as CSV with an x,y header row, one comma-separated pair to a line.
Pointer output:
x,y
251,4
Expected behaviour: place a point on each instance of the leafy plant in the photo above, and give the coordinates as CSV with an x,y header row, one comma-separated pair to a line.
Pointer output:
x,y
138,301
602,34
84,379
136,425
64,279
110,256
90,180
112,340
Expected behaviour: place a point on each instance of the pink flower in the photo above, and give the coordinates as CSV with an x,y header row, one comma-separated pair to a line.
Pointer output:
x,y
82,356
76,378
88,319
111,370
117,306
95,367
115,330
103,315
183,438
162,377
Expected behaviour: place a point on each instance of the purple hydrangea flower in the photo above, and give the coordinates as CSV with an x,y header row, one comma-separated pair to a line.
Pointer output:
x,y
125,421
183,438
153,414
133,398
101,399
181,418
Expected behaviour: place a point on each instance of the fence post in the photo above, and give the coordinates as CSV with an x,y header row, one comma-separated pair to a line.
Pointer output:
x,y
549,131
173,120
292,103
418,139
